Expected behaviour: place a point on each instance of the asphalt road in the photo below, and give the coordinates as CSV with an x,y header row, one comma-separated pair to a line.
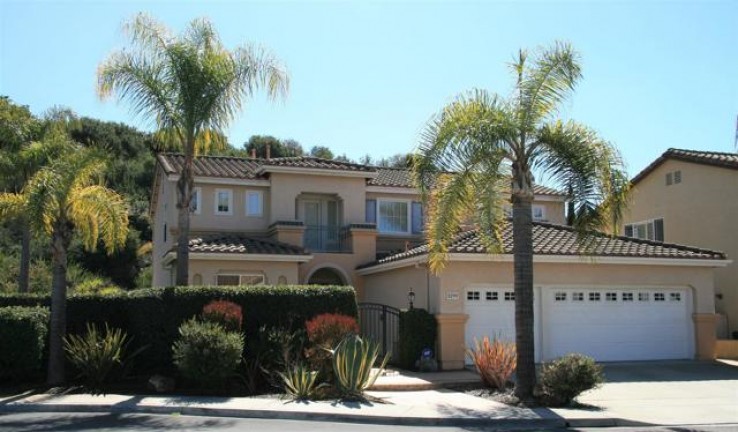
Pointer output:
x,y
84,422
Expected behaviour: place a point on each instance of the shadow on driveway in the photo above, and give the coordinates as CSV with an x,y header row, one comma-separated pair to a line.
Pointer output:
x,y
659,371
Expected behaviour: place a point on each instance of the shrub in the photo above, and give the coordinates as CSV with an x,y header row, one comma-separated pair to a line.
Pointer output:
x,y
23,333
495,361
353,360
418,330
564,379
99,357
300,382
324,332
152,316
226,313
206,353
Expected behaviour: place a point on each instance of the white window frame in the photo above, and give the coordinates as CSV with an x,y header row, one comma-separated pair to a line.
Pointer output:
x,y
247,209
197,195
648,223
408,216
240,278
230,202
533,209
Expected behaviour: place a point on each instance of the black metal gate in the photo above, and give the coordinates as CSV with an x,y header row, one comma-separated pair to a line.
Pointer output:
x,y
381,323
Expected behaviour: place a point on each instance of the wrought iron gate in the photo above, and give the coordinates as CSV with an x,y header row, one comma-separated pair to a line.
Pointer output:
x,y
381,323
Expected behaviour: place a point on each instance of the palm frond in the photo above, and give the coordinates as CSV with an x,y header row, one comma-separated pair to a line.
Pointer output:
x,y
12,205
99,213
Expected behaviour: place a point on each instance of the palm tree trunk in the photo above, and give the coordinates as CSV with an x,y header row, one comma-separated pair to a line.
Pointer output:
x,y
25,258
58,325
184,195
524,331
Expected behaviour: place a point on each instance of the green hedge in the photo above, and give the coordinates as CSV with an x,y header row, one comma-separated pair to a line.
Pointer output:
x,y
418,330
23,333
152,316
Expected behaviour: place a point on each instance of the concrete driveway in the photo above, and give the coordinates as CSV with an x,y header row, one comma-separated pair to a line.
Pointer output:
x,y
661,393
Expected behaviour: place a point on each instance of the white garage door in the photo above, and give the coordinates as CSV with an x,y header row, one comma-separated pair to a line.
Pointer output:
x,y
608,324
617,324
491,313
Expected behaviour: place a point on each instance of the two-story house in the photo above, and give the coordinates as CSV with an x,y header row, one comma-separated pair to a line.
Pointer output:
x,y
691,197
313,221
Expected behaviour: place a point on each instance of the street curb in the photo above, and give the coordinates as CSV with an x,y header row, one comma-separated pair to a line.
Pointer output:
x,y
545,422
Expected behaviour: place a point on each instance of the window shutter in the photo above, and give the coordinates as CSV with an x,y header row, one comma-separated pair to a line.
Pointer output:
x,y
658,227
629,230
371,211
417,217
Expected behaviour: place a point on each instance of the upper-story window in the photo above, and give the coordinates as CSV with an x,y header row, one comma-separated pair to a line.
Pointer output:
x,y
537,211
674,177
393,216
254,203
196,201
649,230
223,202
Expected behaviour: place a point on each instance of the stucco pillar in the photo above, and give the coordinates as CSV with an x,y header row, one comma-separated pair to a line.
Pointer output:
x,y
290,232
704,332
451,345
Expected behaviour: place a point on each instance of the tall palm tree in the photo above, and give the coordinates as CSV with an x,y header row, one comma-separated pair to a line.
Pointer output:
x,y
482,151
191,87
63,198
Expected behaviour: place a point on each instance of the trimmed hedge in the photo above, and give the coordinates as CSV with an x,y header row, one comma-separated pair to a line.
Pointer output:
x,y
152,316
23,333
418,330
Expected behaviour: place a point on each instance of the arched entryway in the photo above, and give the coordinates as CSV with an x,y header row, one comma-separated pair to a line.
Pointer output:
x,y
327,276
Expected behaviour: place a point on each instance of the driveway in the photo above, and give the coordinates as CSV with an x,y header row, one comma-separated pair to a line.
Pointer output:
x,y
662,393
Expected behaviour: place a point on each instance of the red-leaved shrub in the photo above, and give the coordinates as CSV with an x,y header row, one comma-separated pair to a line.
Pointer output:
x,y
495,361
326,330
223,312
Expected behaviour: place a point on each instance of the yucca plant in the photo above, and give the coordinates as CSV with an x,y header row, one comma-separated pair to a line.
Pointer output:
x,y
353,360
97,355
495,361
300,382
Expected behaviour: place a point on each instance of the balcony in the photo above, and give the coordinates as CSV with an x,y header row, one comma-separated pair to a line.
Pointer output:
x,y
326,238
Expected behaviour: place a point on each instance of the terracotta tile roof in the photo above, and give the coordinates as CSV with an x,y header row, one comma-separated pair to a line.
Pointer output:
x,y
246,168
238,244
212,166
551,239
318,163
718,159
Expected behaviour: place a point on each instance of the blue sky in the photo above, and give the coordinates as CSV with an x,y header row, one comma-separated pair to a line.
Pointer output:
x,y
367,76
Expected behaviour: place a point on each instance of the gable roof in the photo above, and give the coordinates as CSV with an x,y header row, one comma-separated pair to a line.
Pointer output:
x,y
552,239
718,159
255,168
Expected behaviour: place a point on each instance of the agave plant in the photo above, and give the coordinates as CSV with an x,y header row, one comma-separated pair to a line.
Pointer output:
x,y
299,382
353,360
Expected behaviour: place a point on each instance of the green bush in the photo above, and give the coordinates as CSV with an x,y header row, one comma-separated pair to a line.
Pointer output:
x,y
207,354
353,360
562,380
152,316
100,357
418,330
23,333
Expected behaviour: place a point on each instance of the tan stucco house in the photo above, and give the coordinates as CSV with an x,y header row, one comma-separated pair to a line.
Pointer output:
x,y
691,197
309,220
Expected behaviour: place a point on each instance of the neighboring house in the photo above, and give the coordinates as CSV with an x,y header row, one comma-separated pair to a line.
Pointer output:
x,y
691,197
309,220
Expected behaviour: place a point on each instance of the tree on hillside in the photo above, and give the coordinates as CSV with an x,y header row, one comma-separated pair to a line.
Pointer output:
x,y
277,148
493,145
191,87
62,198
321,152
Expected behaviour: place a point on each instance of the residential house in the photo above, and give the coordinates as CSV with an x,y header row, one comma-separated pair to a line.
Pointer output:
x,y
691,197
309,220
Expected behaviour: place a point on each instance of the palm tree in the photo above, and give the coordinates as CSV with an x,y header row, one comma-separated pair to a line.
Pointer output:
x,y
482,150
64,197
191,87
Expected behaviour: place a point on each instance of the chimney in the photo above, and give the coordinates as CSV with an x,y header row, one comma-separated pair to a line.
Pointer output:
x,y
253,153
269,151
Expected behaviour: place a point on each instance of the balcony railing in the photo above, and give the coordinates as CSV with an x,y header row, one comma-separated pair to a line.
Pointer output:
x,y
326,238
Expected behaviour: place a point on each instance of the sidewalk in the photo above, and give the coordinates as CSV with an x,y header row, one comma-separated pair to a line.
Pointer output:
x,y
430,407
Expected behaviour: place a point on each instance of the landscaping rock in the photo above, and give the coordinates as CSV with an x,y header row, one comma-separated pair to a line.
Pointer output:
x,y
161,384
